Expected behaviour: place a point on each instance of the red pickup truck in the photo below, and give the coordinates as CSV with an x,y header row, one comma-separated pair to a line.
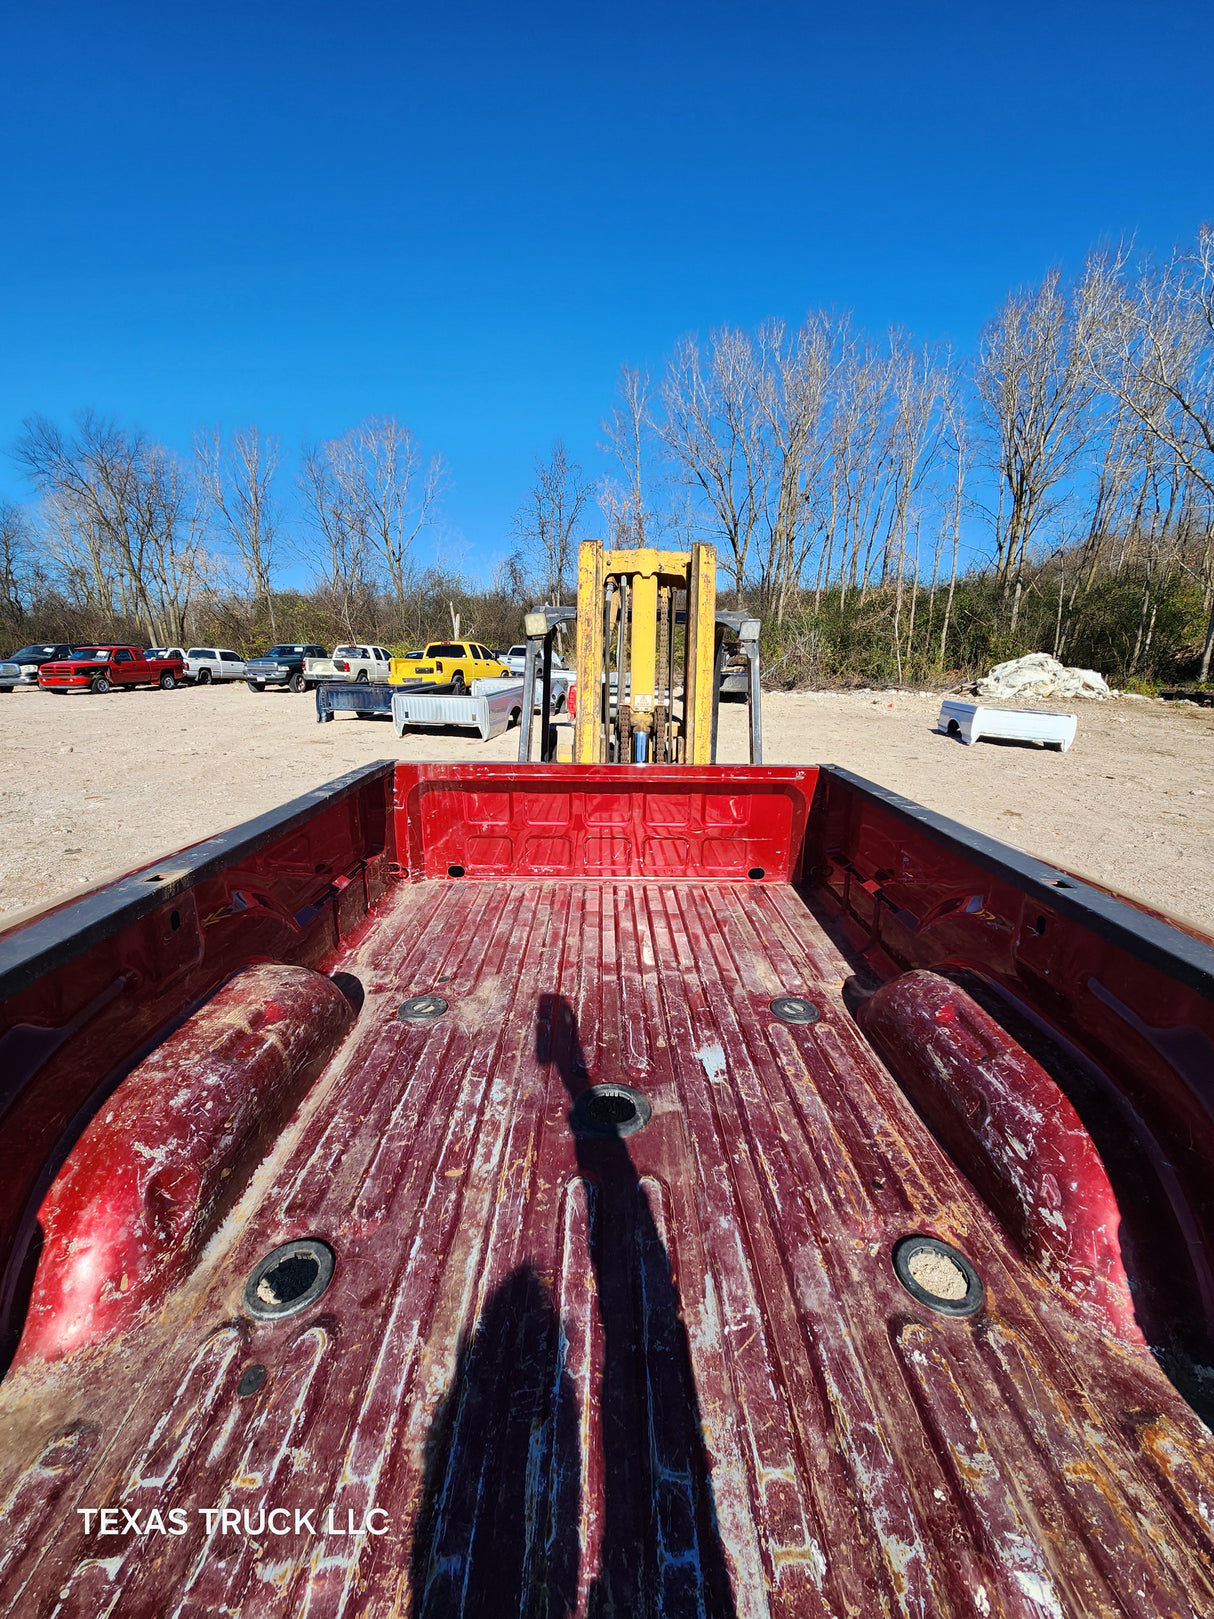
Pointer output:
x,y
101,668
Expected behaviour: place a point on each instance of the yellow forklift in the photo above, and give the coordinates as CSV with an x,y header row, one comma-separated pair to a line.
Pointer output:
x,y
651,652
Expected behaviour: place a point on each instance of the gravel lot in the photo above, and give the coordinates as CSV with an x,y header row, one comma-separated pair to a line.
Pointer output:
x,y
93,786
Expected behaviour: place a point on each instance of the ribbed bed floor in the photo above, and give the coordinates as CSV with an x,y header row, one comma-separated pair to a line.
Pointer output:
x,y
669,1373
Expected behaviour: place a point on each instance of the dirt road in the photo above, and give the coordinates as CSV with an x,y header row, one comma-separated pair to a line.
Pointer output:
x,y
93,786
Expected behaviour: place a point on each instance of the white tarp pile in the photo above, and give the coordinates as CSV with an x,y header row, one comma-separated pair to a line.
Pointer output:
x,y
1039,675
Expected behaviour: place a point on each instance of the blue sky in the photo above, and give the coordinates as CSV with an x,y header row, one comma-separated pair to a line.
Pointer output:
x,y
469,216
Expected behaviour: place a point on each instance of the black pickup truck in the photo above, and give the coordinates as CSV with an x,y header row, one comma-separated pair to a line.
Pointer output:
x,y
281,666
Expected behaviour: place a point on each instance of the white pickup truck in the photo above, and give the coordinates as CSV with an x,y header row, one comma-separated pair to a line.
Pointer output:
x,y
207,664
360,665
562,676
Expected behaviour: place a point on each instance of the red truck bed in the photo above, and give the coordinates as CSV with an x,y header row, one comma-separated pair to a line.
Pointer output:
x,y
563,1364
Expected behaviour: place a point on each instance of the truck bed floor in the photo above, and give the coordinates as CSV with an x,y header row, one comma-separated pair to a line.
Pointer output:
x,y
670,1372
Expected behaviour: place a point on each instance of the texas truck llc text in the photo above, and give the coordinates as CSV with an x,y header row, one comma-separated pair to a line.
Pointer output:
x,y
228,1521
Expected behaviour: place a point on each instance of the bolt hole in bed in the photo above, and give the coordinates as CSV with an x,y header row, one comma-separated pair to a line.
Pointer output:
x,y
938,1276
610,1110
289,1279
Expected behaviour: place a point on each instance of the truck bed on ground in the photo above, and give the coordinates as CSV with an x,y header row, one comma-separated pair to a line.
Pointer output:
x,y
579,1367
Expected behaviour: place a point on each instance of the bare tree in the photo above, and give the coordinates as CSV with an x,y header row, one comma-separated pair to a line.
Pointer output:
x,y
921,383
794,380
340,552
385,490
176,564
124,512
78,553
958,450
855,501
1154,351
92,481
714,429
237,480
1034,385
17,571
546,524
627,431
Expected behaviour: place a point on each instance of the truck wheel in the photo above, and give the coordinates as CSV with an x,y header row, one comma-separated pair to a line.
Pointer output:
x,y
309,685
558,703
458,684
100,685
168,681
254,686
204,677
516,715
360,679
295,683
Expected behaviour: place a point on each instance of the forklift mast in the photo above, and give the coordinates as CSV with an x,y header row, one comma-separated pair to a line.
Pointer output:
x,y
646,694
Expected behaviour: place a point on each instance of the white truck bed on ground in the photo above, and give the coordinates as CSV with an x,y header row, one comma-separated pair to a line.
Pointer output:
x,y
970,721
492,707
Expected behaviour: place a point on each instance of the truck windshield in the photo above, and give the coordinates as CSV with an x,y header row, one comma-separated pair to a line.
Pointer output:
x,y
96,654
285,651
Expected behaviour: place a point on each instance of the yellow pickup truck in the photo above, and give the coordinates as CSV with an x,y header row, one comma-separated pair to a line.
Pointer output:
x,y
443,663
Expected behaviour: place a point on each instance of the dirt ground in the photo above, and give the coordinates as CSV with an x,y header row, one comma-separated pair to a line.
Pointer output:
x,y
93,786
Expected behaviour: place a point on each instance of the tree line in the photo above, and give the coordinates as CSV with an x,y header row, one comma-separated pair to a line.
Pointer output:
x,y
892,509
128,536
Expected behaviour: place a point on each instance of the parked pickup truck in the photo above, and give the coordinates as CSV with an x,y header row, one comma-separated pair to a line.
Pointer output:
x,y
524,1189
105,668
22,668
281,666
449,663
562,676
205,665
359,664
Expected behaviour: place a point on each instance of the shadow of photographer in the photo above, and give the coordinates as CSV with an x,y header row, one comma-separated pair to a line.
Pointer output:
x,y
498,1528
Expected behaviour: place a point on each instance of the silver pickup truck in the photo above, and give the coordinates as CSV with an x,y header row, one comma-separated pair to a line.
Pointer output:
x,y
562,676
360,664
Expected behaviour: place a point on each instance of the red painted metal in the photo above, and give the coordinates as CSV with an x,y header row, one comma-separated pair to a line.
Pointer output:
x,y
149,1181
1010,1128
605,821
666,1373
1131,1046
74,1032
125,666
